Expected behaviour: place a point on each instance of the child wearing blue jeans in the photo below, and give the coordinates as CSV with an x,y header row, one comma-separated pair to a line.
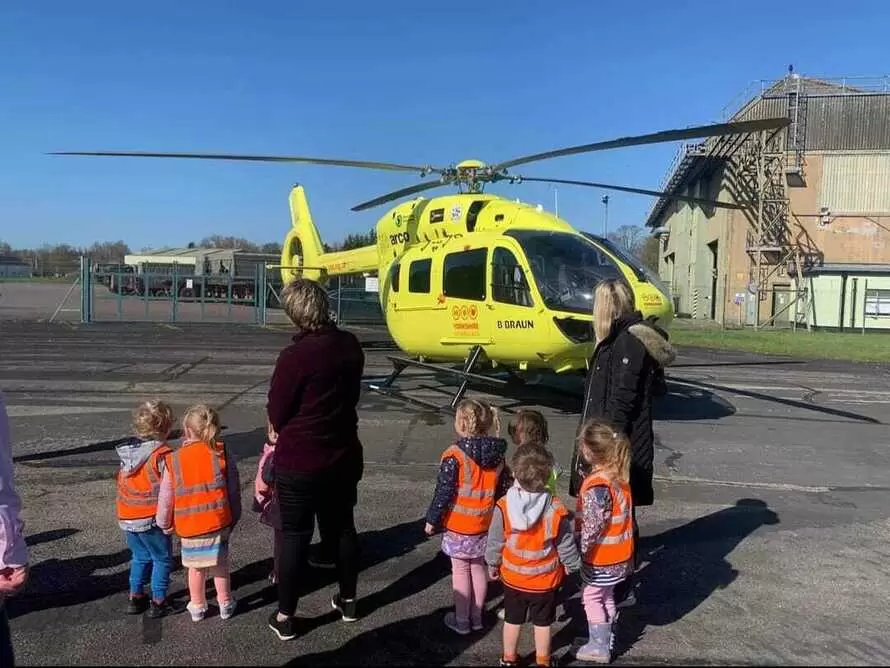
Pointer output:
x,y
143,460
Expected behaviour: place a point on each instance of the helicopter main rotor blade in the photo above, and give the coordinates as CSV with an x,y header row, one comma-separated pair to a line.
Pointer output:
x,y
397,194
638,191
261,158
713,130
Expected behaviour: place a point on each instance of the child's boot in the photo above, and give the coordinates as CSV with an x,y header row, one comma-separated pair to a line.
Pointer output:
x,y
597,649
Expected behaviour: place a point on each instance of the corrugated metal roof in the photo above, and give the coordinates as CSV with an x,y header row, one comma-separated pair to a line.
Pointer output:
x,y
838,117
14,260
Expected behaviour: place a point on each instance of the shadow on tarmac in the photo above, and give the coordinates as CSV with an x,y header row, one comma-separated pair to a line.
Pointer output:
x,y
56,583
685,566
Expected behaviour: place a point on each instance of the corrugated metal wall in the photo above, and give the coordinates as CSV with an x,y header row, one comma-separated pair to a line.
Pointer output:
x,y
856,182
835,123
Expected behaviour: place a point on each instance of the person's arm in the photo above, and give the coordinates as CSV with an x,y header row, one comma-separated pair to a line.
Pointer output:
x,y
628,362
284,390
13,549
596,511
566,546
494,545
446,490
164,514
233,489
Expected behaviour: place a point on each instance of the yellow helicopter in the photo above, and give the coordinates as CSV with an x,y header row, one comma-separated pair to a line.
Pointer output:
x,y
479,279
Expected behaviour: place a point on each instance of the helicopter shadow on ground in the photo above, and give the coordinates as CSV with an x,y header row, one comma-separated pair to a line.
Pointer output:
x,y
680,569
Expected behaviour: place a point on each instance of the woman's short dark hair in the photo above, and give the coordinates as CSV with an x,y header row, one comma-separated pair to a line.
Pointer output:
x,y
306,304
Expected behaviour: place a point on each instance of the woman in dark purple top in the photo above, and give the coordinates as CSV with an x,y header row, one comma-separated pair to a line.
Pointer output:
x,y
318,458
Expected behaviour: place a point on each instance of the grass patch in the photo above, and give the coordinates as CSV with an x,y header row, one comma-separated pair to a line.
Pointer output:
x,y
848,346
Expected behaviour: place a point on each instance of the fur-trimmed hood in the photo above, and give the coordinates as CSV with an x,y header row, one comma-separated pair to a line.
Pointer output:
x,y
655,342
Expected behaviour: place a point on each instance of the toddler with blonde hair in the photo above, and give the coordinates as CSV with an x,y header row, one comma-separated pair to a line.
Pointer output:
x,y
201,502
143,462
472,477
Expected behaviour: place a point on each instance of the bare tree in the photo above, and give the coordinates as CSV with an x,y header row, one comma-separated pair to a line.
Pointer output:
x,y
628,237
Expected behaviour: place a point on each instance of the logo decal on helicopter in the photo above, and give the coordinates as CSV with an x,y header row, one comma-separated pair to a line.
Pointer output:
x,y
465,312
464,318
455,213
516,324
399,238
437,215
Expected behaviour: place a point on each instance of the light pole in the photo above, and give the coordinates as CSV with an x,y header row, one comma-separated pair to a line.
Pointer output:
x,y
605,201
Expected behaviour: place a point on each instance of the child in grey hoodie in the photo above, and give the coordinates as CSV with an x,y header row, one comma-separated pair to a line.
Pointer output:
x,y
531,546
143,460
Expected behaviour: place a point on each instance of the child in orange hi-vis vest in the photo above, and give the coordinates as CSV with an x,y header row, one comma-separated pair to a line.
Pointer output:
x,y
201,502
472,476
143,462
604,525
531,546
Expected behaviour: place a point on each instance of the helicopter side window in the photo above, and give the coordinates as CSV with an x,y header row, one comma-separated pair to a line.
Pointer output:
x,y
419,276
394,277
508,284
463,274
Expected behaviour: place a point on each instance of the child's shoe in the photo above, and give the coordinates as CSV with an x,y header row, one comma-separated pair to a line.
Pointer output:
x,y
598,646
162,609
136,605
226,610
452,623
507,662
346,607
196,611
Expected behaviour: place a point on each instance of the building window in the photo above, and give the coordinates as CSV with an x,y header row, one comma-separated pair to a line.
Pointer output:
x,y
856,183
508,284
419,276
394,277
463,274
877,303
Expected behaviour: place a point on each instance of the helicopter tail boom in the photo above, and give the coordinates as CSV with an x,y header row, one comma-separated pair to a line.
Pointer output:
x,y
303,252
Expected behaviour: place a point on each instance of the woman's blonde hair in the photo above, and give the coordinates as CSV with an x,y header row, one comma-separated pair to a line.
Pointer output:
x,y
529,426
204,423
306,304
612,299
153,419
476,417
602,446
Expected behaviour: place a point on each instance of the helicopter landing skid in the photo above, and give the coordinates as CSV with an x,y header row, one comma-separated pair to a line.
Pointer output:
x,y
466,375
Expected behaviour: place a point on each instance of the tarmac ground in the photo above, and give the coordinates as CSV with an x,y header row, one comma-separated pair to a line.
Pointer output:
x,y
769,542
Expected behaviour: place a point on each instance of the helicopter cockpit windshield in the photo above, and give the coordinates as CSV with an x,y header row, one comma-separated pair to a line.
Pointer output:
x,y
565,267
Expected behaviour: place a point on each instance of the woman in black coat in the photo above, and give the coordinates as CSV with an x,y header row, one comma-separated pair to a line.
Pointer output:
x,y
626,370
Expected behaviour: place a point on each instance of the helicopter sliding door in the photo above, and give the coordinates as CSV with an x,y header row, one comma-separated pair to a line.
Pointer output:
x,y
515,326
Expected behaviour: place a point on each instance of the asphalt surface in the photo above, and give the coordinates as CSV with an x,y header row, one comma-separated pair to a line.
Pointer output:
x,y
769,542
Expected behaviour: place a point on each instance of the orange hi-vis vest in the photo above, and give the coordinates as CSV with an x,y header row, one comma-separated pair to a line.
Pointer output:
x,y
137,490
615,544
530,561
476,487
200,503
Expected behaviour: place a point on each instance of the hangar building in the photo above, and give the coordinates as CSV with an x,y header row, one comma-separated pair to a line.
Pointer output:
x,y
811,247
200,261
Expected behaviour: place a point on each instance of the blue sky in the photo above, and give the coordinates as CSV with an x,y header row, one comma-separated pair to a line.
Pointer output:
x,y
389,80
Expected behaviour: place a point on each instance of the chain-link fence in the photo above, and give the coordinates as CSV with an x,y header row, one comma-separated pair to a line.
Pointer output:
x,y
94,293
